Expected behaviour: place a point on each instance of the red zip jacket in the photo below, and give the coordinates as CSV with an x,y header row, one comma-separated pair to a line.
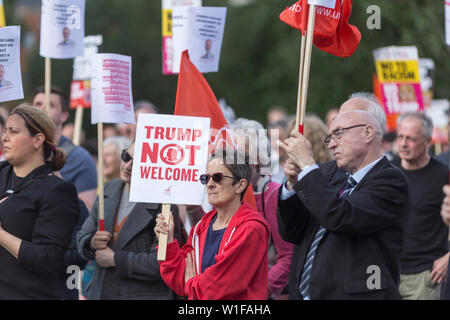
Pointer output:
x,y
241,269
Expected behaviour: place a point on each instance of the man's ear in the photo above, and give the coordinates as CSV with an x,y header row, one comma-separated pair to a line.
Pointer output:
x,y
369,132
429,142
64,116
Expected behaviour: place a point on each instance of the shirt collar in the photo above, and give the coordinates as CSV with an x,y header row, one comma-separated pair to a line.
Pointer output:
x,y
360,174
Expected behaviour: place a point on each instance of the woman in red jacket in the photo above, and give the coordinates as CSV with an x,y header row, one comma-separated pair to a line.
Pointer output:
x,y
225,257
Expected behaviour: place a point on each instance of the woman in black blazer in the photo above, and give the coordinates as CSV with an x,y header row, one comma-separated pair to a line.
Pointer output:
x,y
38,210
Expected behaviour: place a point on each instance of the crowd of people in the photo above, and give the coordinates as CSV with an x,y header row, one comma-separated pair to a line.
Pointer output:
x,y
350,211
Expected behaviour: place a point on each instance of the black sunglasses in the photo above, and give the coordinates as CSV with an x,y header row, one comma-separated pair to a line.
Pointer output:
x,y
217,177
126,156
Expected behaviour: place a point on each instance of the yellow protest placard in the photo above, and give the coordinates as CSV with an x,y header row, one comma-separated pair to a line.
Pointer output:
x,y
406,71
166,22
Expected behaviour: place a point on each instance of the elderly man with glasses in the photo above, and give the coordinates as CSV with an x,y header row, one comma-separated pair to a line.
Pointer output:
x,y
346,215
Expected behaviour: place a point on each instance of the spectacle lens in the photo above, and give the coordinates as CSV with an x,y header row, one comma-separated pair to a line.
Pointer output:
x,y
126,156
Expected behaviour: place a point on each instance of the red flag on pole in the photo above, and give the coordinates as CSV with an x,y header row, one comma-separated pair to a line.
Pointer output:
x,y
332,32
195,98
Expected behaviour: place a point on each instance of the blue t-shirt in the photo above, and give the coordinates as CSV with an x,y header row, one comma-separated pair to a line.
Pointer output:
x,y
212,244
80,168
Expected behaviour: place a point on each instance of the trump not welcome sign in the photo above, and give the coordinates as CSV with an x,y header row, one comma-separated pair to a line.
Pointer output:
x,y
170,154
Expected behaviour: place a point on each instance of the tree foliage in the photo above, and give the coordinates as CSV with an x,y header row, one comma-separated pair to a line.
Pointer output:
x,y
260,54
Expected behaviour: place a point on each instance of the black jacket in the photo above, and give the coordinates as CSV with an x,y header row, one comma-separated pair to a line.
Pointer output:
x,y
136,274
365,231
42,211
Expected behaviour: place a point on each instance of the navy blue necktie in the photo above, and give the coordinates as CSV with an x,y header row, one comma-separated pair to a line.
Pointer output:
x,y
304,281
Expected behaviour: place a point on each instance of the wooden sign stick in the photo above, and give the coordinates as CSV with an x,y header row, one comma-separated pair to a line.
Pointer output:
x,y
162,246
101,200
48,82
308,49
78,124
300,78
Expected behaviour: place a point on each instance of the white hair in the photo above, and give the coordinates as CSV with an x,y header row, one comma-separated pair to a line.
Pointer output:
x,y
373,107
121,143
426,121
254,131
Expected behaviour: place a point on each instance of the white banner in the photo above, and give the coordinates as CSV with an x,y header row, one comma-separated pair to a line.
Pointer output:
x,y
323,3
10,75
82,69
170,154
112,99
167,43
200,31
62,28
396,53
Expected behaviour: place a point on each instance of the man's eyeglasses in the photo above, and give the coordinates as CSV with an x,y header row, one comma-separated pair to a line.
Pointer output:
x,y
337,134
126,156
217,177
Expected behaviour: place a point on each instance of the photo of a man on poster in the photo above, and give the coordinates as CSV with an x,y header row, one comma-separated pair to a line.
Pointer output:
x,y
66,43
3,82
208,56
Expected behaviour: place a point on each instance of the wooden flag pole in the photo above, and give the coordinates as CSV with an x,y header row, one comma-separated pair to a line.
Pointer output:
x,y
101,200
162,246
307,64
78,124
300,77
48,82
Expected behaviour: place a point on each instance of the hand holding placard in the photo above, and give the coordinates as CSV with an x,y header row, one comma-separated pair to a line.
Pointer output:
x,y
164,230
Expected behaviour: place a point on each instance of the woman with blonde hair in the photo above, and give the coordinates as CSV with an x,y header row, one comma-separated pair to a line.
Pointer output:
x,y
38,210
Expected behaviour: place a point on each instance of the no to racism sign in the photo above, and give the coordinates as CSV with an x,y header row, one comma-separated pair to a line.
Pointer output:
x,y
399,79
170,154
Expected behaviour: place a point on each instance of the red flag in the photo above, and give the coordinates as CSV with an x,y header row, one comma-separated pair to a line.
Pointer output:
x,y
327,20
332,32
195,98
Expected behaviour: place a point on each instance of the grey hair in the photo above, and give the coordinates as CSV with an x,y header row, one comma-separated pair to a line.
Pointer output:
x,y
373,107
237,162
255,132
427,123
140,104
121,143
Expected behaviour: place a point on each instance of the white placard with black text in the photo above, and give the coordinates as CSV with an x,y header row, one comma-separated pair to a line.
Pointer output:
x,y
10,75
62,29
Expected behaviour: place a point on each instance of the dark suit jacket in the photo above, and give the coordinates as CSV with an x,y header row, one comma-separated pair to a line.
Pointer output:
x,y
43,213
136,275
364,230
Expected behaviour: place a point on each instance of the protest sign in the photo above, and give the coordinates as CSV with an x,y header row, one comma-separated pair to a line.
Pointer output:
x,y
2,14
82,69
62,28
200,31
438,112
167,46
80,94
426,73
323,3
398,74
170,154
10,75
112,99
